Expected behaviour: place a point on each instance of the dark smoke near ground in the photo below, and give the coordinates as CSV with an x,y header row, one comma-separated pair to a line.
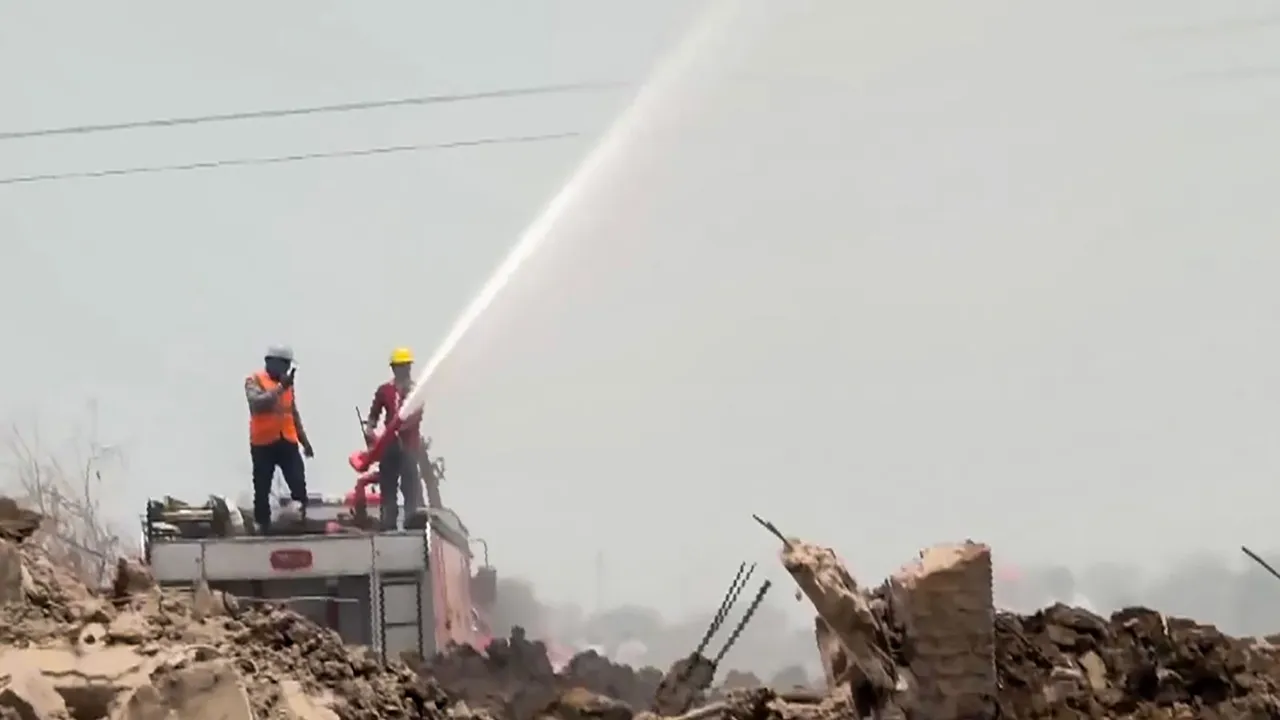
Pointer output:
x,y
1238,597
772,648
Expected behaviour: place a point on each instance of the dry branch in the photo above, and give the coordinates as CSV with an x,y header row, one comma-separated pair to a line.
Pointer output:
x,y
66,488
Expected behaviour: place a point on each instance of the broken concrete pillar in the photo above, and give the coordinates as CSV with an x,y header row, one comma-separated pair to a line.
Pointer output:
x,y
944,603
846,611
835,664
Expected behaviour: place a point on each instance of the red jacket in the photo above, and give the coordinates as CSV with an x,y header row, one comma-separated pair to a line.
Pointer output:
x,y
386,400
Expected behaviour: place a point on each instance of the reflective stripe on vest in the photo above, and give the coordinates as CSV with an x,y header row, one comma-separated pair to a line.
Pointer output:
x,y
266,428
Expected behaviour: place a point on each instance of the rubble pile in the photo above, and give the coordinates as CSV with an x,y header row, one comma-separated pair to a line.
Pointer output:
x,y
1137,663
515,679
928,643
137,653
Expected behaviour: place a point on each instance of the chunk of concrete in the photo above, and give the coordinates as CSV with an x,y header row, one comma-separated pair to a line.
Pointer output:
x,y
129,628
204,603
683,684
1095,670
92,609
208,691
17,523
132,578
581,704
204,691
944,602
91,637
29,695
846,610
14,579
89,682
298,705
835,663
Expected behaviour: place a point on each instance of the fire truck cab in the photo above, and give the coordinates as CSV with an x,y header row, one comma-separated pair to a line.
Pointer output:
x,y
404,591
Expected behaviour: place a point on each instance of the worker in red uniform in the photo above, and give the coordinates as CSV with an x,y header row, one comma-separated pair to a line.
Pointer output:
x,y
275,434
398,470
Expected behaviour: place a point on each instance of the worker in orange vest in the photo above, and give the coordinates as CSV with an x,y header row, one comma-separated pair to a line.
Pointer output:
x,y
276,434
398,470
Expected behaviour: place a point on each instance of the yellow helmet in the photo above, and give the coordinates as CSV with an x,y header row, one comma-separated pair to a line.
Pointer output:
x,y
401,356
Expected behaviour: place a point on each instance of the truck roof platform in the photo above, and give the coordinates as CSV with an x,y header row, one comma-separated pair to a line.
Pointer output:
x,y
299,556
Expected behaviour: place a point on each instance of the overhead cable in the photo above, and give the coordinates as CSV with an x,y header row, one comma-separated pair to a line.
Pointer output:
x,y
280,159
307,110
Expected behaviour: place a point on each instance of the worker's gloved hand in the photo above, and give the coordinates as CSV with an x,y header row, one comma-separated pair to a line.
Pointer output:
x,y
288,378
306,449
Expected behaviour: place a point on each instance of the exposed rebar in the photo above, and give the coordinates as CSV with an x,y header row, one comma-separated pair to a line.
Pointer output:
x,y
742,624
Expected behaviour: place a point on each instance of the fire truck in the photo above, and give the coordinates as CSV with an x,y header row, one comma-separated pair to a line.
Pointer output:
x,y
411,591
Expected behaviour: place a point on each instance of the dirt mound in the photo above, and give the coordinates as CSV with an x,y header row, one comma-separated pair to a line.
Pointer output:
x,y
1137,663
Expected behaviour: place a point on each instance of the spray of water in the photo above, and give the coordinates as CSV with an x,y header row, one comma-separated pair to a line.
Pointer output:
x,y
608,154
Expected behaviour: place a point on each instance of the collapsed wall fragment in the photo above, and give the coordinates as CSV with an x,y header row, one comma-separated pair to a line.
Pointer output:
x,y
922,645
943,603
929,644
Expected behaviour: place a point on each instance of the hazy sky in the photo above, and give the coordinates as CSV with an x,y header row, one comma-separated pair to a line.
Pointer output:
x,y
888,274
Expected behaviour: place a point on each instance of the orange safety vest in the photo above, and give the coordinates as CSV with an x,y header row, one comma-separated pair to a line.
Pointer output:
x,y
266,428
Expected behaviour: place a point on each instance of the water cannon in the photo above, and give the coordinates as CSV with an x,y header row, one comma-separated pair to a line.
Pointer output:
x,y
362,460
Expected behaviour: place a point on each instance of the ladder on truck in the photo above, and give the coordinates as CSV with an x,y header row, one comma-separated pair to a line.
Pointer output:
x,y
398,610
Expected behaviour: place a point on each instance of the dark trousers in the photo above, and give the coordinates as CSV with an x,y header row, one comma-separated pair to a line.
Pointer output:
x,y
398,475
281,454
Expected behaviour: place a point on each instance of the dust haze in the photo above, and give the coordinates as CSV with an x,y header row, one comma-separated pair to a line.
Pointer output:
x,y
1240,598
896,276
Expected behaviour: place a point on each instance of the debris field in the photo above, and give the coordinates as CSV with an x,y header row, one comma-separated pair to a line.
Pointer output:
x,y
927,643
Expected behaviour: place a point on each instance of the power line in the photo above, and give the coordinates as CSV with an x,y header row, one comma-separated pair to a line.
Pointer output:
x,y
280,159
311,110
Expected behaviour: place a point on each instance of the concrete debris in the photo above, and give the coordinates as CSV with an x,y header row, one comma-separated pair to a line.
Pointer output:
x,y
1137,663
847,612
928,644
132,578
29,695
17,523
141,653
924,645
211,690
684,685
15,583
515,680
942,605
298,705
577,703
689,681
